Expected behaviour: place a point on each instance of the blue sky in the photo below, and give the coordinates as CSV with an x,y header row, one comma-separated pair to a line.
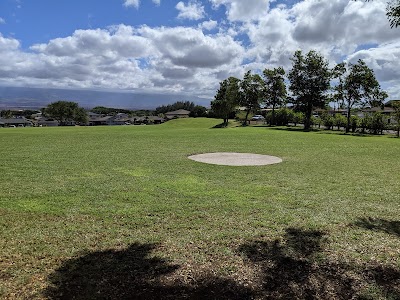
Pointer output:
x,y
184,47
38,21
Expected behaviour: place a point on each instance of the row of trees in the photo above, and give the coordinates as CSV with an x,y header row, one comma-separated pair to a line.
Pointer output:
x,y
312,84
374,123
66,112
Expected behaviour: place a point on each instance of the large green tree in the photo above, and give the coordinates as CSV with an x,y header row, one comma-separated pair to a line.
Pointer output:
x,y
274,89
357,86
227,98
251,93
396,115
65,112
309,82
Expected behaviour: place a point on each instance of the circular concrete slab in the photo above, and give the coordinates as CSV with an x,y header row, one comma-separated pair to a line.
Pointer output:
x,y
236,159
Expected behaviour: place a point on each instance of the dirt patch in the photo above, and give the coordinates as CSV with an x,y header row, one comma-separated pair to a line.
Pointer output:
x,y
236,159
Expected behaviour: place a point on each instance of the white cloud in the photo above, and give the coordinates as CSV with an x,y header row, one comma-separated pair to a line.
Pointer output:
x,y
193,10
384,60
122,57
134,3
209,25
194,59
239,10
188,47
2,21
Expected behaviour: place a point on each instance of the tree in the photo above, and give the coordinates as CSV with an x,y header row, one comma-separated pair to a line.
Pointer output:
x,y
393,13
274,89
6,114
357,86
309,82
186,105
65,111
396,115
251,93
226,99
198,112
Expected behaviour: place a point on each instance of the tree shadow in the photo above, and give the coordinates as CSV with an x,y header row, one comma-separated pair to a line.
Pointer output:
x,y
294,129
290,268
222,125
132,273
391,227
294,269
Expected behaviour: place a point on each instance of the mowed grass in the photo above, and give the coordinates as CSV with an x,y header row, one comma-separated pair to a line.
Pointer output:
x,y
120,212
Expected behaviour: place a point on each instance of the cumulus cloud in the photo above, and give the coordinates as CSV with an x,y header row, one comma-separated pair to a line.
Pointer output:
x,y
134,3
384,60
162,59
194,59
2,21
189,47
239,10
193,10
209,25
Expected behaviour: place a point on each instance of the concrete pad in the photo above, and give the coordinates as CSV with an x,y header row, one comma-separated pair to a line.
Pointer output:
x,y
235,159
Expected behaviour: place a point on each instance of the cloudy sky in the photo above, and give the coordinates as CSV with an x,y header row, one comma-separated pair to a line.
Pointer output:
x,y
185,47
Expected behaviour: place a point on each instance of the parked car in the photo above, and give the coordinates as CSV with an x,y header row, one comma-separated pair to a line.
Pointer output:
x,y
257,118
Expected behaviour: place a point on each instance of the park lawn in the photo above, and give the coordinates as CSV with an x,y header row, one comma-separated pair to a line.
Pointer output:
x,y
118,212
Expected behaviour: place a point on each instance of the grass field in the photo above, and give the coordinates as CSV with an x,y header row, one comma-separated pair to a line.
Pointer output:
x,y
121,213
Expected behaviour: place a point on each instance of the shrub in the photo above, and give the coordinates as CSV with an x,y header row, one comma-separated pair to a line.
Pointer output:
x,y
354,123
328,121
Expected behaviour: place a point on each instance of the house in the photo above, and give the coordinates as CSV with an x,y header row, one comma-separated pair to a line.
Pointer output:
x,y
386,111
100,120
181,113
156,120
15,122
46,122
331,112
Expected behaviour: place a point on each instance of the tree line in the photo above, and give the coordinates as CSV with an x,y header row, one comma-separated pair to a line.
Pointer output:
x,y
312,84
67,112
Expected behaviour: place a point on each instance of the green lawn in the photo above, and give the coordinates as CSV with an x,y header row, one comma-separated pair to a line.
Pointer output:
x,y
120,212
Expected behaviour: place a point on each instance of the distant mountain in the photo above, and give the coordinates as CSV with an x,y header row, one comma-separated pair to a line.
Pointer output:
x,y
34,98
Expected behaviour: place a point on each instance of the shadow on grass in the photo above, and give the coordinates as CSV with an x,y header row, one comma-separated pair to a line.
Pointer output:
x,y
294,269
222,125
132,273
391,227
324,131
291,268
292,129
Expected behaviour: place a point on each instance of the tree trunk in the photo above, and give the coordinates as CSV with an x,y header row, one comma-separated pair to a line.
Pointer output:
x,y
273,115
398,130
348,119
245,119
307,119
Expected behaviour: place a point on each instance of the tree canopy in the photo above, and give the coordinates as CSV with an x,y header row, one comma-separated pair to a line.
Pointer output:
x,y
396,115
187,105
65,112
251,88
274,89
357,87
393,13
309,82
226,98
